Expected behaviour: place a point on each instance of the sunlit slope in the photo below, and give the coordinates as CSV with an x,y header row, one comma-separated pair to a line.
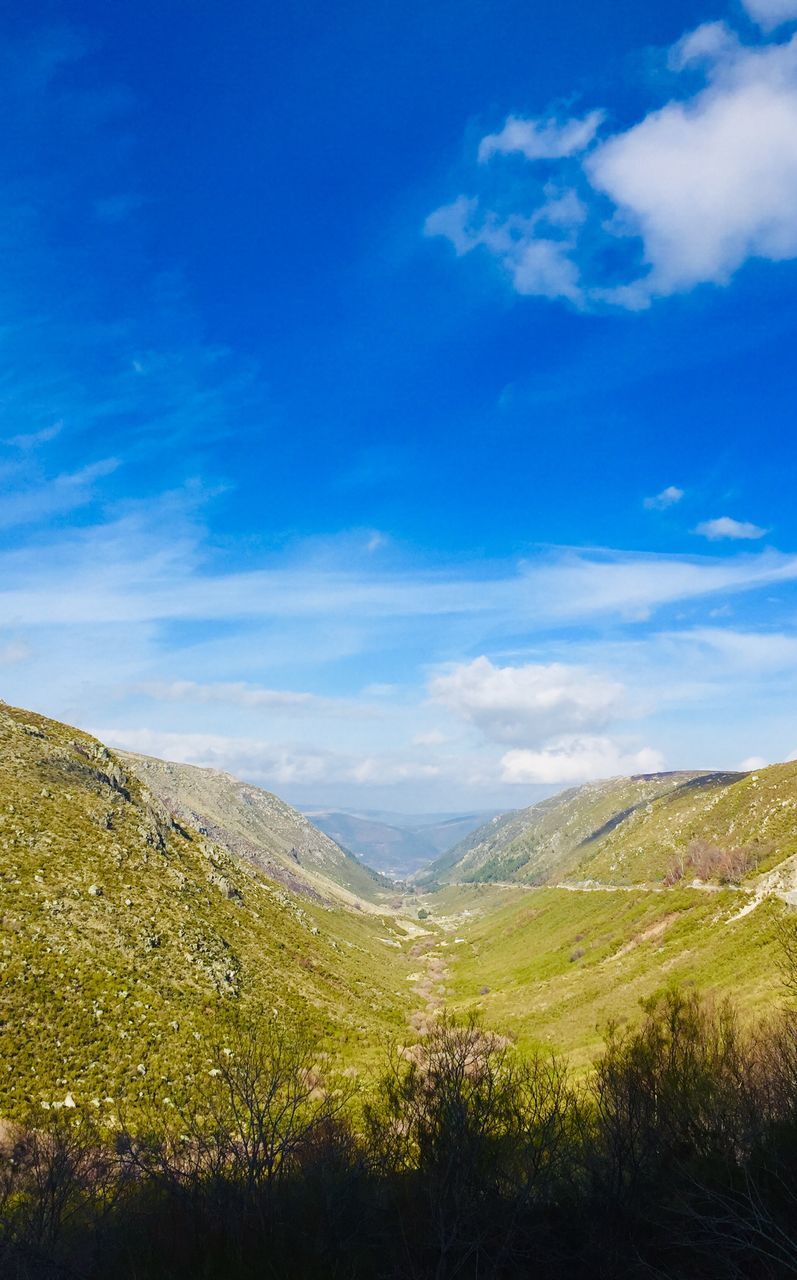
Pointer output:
x,y
125,937
256,825
639,830
553,966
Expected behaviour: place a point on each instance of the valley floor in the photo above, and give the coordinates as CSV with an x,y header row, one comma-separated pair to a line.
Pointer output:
x,y
556,965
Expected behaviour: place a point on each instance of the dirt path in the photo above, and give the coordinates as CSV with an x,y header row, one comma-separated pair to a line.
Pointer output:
x,y
429,983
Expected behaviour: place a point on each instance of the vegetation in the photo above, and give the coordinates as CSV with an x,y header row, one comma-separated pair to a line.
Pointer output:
x,y
552,967
125,935
258,827
634,831
676,1157
197,987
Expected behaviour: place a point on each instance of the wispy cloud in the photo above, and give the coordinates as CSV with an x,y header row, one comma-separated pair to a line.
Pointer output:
x,y
771,13
271,764
14,651
727,527
543,139
667,498
33,439
578,759
255,698
535,249
62,494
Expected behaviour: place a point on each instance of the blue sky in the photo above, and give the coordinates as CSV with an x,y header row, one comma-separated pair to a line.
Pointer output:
x,y
397,400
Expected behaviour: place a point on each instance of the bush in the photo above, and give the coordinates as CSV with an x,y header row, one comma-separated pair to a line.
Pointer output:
x,y
677,1157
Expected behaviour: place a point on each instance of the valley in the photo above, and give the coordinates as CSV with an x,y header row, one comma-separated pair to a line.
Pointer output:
x,y
221,1032
142,899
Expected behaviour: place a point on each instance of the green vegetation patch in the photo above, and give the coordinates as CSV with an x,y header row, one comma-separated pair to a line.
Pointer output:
x,y
123,936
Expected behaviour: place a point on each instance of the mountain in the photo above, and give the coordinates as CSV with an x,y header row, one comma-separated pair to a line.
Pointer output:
x,y
128,936
396,844
624,831
255,825
143,903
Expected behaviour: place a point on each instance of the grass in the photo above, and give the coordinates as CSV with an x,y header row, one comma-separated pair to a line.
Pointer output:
x,y
561,965
629,831
125,938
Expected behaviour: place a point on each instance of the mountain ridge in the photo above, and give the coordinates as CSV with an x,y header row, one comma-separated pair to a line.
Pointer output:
x,y
259,826
638,829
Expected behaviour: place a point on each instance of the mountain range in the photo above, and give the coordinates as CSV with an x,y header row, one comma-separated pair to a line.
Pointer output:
x,y
142,902
655,828
396,844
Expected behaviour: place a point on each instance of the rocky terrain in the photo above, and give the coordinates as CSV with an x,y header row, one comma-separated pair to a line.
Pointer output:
x,y
259,827
127,934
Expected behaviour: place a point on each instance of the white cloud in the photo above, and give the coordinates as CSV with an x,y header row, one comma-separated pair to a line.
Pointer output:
x,y
65,493
712,181
530,703
124,572
753,762
667,498
578,759
542,139
771,13
704,183
740,651
727,527
381,771
269,764
32,439
534,249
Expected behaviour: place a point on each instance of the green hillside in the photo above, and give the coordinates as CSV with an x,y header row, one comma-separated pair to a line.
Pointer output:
x,y
666,827
136,916
126,937
552,967
255,825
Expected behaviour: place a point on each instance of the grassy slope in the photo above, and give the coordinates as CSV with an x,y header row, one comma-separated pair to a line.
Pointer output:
x,y
124,938
560,965
258,826
628,830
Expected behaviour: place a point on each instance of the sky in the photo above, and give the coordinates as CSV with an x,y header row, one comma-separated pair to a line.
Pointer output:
x,y
397,400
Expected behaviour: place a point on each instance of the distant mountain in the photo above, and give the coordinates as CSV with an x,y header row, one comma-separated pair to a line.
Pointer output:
x,y
258,826
396,844
668,826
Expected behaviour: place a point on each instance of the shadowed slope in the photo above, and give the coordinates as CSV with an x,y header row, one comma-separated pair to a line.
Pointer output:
x,y
637,830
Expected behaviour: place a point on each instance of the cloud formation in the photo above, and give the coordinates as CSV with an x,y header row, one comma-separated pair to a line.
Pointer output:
x,y
253,697
546,139
578,759
271,764
667,498
693,190
727,527
530,703
535,250
771,13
